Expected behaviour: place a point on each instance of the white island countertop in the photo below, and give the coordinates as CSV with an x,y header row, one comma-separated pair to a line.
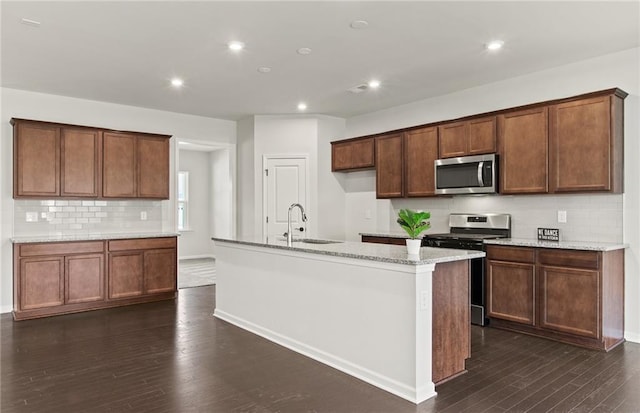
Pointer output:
x,y
365,251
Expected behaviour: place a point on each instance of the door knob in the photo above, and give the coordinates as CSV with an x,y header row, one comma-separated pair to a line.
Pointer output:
x,y
301,229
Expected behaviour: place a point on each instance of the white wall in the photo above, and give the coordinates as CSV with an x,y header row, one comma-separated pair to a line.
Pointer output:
x,y
40,106
195,242
331,195
222,164
245,173
599,213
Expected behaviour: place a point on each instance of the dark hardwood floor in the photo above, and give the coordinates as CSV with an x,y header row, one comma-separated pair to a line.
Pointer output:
x,y
176,357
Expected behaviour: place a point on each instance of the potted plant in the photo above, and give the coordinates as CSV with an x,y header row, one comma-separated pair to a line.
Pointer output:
x,y
414,222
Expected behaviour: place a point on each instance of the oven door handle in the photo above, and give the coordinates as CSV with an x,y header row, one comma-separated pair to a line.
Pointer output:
x,y
480,170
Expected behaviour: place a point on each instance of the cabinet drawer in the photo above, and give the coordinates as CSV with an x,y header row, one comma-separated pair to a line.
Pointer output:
x,y
514,254
142,244
61,248
568,258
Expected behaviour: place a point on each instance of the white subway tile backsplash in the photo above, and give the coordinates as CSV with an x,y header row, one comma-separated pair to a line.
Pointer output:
x,y
589,217
71,216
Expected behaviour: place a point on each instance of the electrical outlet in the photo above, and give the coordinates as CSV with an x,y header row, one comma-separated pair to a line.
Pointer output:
x,y
367,214
32,217
143,215
562,217
424,299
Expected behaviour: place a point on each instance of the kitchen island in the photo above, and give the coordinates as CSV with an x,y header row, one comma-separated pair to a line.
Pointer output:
x,y
398,322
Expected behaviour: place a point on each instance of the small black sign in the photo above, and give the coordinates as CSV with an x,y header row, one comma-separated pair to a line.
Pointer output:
x,y
548,234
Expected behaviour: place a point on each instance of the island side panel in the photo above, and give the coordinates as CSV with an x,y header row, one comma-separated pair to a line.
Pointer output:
x,y
356,315
451,320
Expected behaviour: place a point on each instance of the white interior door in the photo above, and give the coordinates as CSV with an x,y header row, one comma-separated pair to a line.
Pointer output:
x,y
285,184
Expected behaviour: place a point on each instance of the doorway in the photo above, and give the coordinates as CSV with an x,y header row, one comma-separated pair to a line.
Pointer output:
x,y
285,183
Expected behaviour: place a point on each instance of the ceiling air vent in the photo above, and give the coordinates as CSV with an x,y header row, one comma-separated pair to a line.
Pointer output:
x,y
358,89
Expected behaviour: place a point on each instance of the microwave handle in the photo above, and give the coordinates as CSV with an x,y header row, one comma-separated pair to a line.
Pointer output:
x,y
480,170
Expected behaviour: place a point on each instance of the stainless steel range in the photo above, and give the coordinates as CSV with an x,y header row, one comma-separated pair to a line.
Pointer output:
x,y
468,232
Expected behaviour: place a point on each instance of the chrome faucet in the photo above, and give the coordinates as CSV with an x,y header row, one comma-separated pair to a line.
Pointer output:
x,y
289,229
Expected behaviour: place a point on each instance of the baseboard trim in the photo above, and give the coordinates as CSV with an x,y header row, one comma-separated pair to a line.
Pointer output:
x,y
6,309
196,257
633,337
412,394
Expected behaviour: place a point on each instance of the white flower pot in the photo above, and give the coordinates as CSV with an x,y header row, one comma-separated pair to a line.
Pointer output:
x,y
413,246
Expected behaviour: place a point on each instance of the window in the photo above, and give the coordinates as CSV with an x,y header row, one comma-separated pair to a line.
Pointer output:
x,y
183,200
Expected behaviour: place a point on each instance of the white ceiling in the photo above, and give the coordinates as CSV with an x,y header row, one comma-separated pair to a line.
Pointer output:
x,y
126,52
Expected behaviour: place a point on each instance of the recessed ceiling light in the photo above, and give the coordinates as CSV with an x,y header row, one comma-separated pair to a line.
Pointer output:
x,y
359,24
177,82
494,45
30,22
264,69
302,106
235,46
374,84
304,50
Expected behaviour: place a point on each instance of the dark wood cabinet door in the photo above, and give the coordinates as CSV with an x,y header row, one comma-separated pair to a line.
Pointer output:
x,y
153,167
523,148
581,145
451,318
352,155
452,138
482,136
126,270
41,282
160,271
570,300
511,291
36,163
389,170
84,278
119,166
80,163
420,153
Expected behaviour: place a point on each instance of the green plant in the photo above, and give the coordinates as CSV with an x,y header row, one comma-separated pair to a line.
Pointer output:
x,y
414,222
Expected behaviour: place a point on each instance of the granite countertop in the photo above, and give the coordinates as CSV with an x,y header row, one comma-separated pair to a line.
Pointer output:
x,y
366,251
90,237
568,245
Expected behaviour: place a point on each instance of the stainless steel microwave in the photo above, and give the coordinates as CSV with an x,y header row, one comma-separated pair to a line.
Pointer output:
x,y
467,175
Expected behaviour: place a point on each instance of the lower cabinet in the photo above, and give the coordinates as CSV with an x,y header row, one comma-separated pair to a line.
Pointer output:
x,y
66,277
142,267
567,295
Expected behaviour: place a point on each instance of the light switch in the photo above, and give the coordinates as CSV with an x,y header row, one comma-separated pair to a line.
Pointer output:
x,y
562,217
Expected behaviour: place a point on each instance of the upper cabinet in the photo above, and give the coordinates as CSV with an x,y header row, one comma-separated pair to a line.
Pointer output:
x,y
80,162
523,151
352,154
586,144
405,163
153,167
471,137
574,144
135,166
65,161
119,171
36,159
389,172
420,154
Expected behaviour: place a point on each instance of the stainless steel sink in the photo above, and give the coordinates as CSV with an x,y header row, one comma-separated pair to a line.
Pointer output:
x,y
316,241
